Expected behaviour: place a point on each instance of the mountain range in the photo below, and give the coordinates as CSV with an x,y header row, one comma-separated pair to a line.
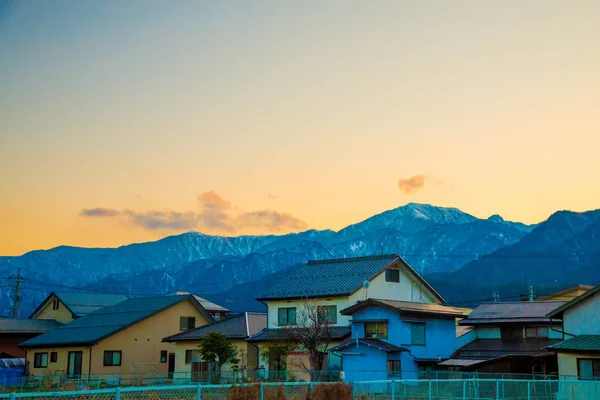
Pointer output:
x,y
464,257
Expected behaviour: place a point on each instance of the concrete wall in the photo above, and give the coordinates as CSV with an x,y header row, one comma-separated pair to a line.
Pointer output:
x,y
62,315
583,318
567,363
140,344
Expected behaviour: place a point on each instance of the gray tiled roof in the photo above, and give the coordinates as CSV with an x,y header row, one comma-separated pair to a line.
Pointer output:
x,y
377,343
82,304
27,325
92,328
237,327
583,343
517,311
337,333
407,307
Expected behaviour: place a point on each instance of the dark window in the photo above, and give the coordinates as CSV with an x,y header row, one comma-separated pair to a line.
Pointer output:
x,y
536,332
511,332
112,358
417,333
163,356
53,357
392,275
376,330
40,360
187,323
588,368
287,316
192,356
327,314
55,304
394,368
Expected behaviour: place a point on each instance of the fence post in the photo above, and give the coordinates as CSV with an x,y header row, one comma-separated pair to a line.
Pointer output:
x,y
117,393
58,383
262,391
199,392
465,389
528,390
13,396
430,392
497,389
310,387
393,390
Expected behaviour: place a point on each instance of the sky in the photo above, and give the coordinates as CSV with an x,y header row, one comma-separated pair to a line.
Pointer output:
x,y
127,121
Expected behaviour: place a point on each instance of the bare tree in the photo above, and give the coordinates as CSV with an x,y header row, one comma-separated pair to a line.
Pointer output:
x,y
310,330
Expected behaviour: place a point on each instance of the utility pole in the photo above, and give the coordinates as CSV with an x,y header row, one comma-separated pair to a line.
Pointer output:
x,y
16,312
496,296
530,292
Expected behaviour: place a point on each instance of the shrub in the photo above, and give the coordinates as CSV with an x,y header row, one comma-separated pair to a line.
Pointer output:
x,y
333,391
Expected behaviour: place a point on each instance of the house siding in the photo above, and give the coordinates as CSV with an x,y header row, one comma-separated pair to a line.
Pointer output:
x,y
62,315
582,318
140,345
567,363
340,302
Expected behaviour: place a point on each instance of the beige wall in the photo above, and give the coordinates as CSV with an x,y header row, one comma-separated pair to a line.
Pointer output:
x,y
62,315
568,296
241,345
567,363
140,344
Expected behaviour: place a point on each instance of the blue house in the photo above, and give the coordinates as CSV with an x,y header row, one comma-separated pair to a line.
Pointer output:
x,y
396,339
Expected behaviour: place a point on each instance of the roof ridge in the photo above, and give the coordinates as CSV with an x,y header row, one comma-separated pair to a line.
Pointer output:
x,y
352,259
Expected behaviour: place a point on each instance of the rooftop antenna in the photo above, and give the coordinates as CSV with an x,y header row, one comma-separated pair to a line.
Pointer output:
x,y
496,296
366,285
530,292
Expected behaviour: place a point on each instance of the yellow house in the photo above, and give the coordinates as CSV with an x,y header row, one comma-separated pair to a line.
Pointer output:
x,y
64,307
120,339
566,294
189,364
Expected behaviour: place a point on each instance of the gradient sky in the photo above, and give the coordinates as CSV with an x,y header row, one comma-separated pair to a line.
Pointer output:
x,y
275,116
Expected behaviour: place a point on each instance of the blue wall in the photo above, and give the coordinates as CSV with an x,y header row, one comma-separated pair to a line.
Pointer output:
x,y
440,339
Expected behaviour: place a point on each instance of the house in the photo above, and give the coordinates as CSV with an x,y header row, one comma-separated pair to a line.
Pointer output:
x,y
396,339
67,306
237,328
15,331
216,311
123,338
508,337
566,294
579,353
332,286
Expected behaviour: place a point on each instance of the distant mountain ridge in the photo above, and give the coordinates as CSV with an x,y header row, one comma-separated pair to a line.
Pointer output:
x,y
436,241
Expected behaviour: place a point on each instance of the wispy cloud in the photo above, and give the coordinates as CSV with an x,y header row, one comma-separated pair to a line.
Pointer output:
x,y
99,212
216,215
272,197
417,182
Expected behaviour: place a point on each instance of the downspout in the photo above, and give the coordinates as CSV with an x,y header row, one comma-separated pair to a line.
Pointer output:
x,y
90,365
560,331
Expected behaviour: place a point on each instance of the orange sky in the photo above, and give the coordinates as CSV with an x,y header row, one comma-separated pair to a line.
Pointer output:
x,y
280,116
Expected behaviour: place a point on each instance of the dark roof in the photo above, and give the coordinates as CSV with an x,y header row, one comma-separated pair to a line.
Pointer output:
x,y
238,327
565,290
376,343
208,305
559,311
337,277
483,349
107,321
81,304
337,333
27,325
509,312
583,343
406,307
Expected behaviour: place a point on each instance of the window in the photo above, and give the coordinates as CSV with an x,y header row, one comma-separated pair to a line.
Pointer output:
x,y
511,332
286,316
112,358
536,332
327,314
163,356
588,368
376,330
55,304
192,356
187,323
392,275
417,333
394,368
53,357
40,360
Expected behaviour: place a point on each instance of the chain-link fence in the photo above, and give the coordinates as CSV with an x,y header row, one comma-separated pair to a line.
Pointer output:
x,y
441,389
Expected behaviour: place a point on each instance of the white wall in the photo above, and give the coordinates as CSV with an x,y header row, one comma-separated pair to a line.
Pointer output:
x,y
583,318
340,302
408,289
